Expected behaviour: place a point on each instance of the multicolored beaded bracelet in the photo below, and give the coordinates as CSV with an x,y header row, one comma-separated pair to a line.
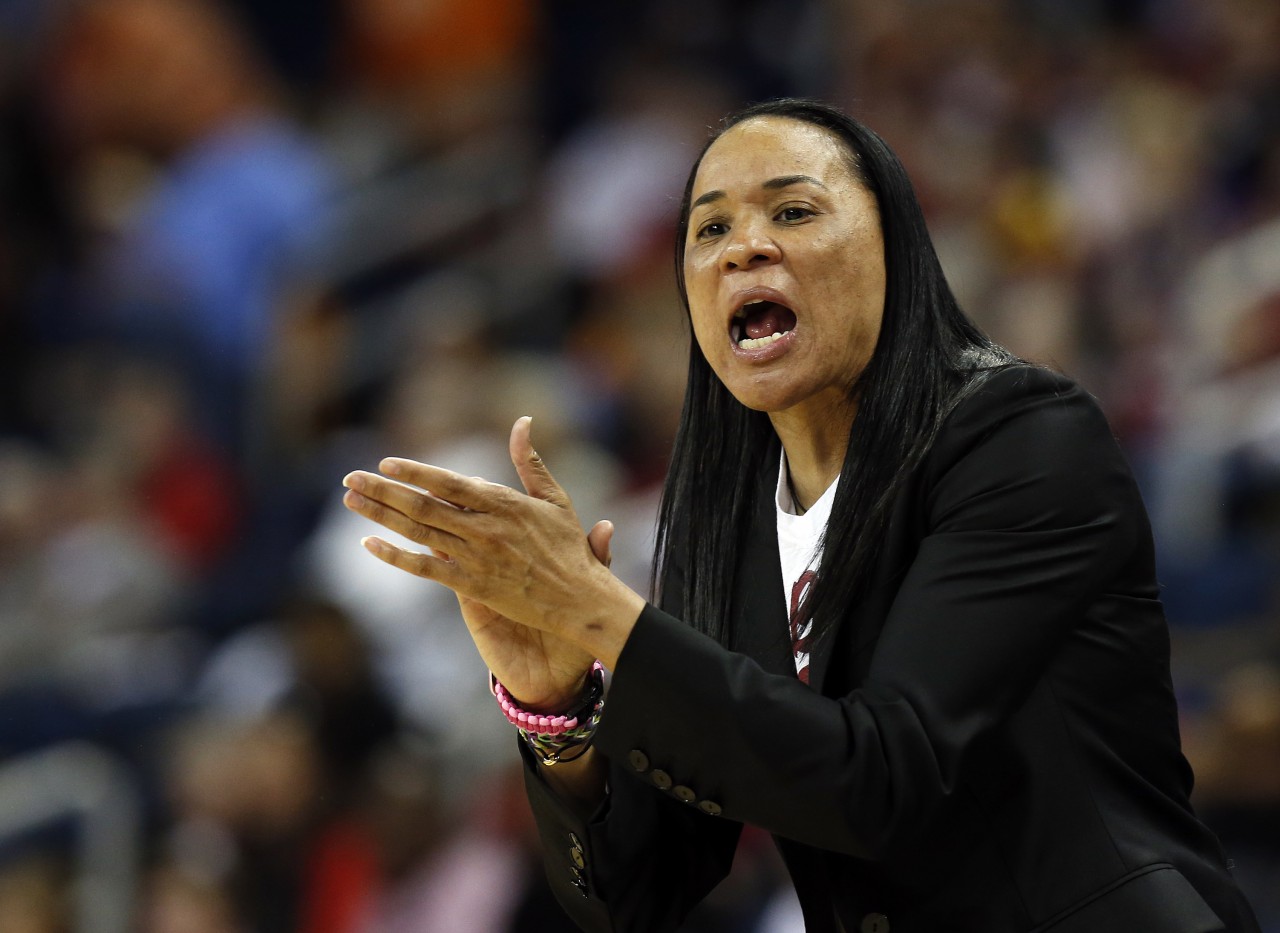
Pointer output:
x,y
550,737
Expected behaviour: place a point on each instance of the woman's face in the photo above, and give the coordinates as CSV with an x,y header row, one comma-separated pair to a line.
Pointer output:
x,y
784,266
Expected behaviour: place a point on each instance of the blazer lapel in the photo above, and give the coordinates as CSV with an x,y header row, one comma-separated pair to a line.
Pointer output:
x,y
853,637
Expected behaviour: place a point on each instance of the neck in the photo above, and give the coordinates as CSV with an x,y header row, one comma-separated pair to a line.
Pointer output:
x,y
815,441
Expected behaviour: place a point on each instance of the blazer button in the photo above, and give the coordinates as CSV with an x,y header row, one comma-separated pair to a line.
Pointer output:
x,y
875,923
709,807
638,760
661,779
684,793
579,880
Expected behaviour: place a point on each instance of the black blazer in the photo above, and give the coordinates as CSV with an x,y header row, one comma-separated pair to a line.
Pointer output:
x,y
989,743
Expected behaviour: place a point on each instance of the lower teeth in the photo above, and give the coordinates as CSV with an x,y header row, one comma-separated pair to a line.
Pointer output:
x,y
751,343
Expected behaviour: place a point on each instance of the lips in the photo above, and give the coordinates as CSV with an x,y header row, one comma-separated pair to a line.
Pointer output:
x,y
762,316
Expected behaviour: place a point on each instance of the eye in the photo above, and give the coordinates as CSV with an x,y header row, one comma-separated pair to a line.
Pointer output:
x,y
711,229
794,214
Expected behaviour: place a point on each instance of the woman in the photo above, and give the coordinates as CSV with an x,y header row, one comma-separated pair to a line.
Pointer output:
x,y
950,703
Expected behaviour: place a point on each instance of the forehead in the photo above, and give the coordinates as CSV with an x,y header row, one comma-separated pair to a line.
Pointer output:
x,y
761,148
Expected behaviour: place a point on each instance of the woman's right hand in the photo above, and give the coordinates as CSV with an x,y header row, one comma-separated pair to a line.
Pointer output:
x,y
535,644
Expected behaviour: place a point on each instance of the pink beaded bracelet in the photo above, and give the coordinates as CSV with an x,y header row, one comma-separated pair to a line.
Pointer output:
x,y
549,725
550,737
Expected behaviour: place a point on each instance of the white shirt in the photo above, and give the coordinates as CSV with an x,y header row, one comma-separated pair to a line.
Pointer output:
x,y
799,537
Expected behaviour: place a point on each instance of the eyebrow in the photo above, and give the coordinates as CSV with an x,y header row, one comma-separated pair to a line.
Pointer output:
x,y
773,184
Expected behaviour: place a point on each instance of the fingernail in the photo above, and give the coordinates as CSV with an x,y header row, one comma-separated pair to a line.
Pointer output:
x,y
353,499
351,481
372,545
389,467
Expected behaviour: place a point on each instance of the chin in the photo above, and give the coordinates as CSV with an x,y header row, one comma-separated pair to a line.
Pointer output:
x,y
768,392
768,402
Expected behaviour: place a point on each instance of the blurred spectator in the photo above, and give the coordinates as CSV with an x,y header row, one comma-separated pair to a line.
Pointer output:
x,y
291,718
1218,474
33,897
1235,749
313,661
612,185
89,603
210,213
439,50
141,429
214,202
246,798
178,901
335,690
418,859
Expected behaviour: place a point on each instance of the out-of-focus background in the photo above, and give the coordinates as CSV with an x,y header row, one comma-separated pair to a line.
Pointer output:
x,y
249,245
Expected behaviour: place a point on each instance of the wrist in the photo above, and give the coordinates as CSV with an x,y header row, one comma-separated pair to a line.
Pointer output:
x,y
552,704
604,628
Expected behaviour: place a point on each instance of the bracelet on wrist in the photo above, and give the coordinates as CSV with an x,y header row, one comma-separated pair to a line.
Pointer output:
x,y
558,738
558,750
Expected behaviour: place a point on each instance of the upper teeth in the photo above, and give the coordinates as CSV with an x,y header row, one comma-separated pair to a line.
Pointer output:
x,y
742,312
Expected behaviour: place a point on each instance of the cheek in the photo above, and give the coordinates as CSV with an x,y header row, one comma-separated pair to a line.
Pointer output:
x,y
858,285
701,297
704,329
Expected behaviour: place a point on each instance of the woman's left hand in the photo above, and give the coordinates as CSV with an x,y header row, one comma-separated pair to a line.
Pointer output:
x,y
524,556
544,673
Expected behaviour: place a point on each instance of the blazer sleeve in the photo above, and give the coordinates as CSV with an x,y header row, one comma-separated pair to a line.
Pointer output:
x,y
1028,507
639,863
642,860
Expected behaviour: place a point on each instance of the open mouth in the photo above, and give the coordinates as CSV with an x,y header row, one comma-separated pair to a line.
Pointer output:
x,y
760,323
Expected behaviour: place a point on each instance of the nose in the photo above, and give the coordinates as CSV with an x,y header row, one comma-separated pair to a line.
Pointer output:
x,y
747,247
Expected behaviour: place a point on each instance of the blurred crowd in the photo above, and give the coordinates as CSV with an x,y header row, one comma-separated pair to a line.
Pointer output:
x,y
247,247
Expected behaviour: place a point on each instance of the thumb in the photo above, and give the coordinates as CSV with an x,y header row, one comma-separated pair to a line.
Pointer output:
x,y
537,479
600,537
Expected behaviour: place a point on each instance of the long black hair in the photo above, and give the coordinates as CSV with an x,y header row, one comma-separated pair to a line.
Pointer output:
x,y
927,353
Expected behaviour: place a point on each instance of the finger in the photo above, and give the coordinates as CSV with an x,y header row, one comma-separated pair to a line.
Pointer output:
x,y
600,537
411,527
418,505
537,479
469,492
420,565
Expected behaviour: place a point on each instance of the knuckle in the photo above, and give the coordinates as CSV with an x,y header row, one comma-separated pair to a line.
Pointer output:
x,y
498,498
455,485
419,509
375,511
413,562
